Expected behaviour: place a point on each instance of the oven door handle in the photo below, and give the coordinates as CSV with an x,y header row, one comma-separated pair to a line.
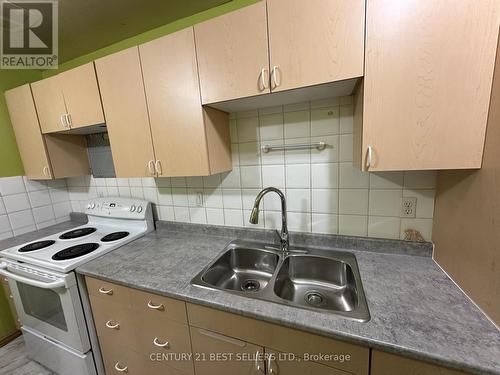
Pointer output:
x,y
28,281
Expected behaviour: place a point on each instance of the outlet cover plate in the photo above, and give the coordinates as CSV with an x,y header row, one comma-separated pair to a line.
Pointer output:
x,y
409,207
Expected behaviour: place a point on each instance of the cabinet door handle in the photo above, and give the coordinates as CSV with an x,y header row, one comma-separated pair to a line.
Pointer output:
x,y
369,154
158,167
270,360
120,369
63,121
151,305
46,171
258,367
69,120
161,344
264,78
276,80
151,167
106,291
109,324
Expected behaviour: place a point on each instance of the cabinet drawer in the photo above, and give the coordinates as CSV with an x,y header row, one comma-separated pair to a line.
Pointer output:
x,y
112,292
107,315
153,333
151,305
133,363
245,357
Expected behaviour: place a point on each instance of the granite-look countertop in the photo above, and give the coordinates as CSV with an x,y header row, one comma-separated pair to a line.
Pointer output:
x,y
416,310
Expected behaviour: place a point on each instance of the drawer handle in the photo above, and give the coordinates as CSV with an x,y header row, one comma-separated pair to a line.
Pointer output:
x,y
165,344
120,369
106,291
151,305
109,324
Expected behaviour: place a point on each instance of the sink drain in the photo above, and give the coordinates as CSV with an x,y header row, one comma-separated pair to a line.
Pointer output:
x,y
250,285
314,298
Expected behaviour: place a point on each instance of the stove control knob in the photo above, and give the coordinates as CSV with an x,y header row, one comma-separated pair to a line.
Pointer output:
x,y
139,209
92,205
132,208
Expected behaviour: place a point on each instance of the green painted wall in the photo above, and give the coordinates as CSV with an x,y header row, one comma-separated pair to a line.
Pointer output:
x,y
10,162
7,325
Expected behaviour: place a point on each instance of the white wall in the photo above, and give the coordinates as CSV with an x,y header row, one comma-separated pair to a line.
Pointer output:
x,y
325,193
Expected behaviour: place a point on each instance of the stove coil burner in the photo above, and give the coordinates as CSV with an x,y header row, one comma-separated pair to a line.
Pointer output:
x,y
114,236
36,246
77,233
75,251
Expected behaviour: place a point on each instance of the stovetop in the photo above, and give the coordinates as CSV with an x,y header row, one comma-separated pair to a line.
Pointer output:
x,y
113,222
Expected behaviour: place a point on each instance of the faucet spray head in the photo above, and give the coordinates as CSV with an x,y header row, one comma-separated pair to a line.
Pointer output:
x,y
254,215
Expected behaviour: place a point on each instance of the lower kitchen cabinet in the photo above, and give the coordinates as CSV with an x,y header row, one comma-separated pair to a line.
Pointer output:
x,y
138,330
216,354
391,364
144,333
283,339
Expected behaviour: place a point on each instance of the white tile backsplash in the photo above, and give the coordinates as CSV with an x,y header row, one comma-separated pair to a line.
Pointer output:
x,y
325,193
16,202
27,205
12,185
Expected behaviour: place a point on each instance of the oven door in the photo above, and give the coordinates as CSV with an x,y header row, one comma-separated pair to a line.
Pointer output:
x,y
48,303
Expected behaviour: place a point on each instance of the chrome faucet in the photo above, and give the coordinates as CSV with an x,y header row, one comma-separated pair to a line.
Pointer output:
x,y
254,215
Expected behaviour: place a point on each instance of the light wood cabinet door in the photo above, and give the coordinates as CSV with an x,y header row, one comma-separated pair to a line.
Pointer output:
x,y
217,354
127,119
280,338
316,41
232,52
49,102
428,77
81,95
391,364
29,139
286,364
173,97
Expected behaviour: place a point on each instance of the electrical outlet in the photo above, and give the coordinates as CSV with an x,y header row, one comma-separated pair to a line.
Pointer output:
x,y
408,207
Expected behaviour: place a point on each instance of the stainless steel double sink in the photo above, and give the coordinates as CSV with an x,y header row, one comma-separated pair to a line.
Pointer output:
x,y
314,279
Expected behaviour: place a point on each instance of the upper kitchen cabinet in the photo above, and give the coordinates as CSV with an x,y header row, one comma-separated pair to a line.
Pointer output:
x,y
232,52
188,140
315,41
50,104
127,119
43,157
68,100
428,77
29,140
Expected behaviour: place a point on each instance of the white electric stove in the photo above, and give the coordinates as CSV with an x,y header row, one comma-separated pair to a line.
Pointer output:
x,y
55,317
